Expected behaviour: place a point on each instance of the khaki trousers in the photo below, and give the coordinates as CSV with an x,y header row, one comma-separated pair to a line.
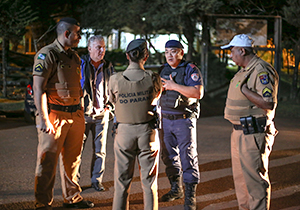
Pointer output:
x,y
131,142
250,162
66,145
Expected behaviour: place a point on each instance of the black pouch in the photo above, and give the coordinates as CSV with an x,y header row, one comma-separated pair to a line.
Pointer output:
x,y
253,125
261,124
251,121
244,125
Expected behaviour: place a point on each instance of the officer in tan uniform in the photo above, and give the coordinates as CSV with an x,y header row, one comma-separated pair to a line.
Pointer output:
x,y
60,120
250,107
133,92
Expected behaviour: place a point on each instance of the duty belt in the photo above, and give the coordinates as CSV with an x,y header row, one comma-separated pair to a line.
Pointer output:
x,y
72,108
175,116
237,127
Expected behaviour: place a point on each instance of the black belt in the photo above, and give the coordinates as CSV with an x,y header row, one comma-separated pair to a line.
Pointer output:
x,y
175,116
237,127
72,108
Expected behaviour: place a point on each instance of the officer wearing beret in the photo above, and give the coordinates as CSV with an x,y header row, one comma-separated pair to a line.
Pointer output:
x,y
250,107
182,89
60,120
133,92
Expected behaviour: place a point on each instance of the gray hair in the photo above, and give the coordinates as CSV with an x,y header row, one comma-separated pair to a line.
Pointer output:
x,y
94,38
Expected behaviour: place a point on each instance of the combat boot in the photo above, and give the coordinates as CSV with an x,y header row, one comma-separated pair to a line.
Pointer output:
x,y
176,191
190,196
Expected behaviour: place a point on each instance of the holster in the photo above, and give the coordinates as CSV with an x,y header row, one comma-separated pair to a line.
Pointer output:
x,y
154,123
115,129
253,125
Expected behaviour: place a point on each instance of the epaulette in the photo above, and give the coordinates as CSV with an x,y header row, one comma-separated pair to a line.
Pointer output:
x,y
192,64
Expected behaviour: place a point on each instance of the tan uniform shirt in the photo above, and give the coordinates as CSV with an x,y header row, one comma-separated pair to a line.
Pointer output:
x,y
261,78
61,70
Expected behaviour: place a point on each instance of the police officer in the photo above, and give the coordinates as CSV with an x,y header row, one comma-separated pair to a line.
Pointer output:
x,y
182,88
133,91
250,107
95,74
56,84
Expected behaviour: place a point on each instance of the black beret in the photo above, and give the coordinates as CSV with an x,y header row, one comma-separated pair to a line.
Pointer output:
x,y
70,21
137,43
173,43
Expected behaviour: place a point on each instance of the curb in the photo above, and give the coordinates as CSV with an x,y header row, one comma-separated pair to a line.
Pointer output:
x,y
12,106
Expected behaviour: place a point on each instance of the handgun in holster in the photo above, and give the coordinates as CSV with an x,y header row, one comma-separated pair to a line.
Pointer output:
x,y
154,123
115,129
194,110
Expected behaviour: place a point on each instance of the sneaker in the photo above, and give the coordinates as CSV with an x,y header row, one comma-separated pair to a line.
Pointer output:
x,y
98,186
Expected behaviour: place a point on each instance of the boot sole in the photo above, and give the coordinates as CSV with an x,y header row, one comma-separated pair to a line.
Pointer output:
x,y
171,199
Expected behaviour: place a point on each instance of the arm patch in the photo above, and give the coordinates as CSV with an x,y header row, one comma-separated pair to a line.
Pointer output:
x,y
38,68
267,92
264,78
41,56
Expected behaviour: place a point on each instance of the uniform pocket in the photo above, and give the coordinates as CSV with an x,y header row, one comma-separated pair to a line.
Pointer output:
x,y
260,141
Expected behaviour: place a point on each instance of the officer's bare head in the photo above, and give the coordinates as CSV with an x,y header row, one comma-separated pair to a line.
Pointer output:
x,y
96,48
137,50
68,32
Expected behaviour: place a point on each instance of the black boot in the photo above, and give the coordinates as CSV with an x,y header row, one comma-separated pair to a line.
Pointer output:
x,y
176,191
190,196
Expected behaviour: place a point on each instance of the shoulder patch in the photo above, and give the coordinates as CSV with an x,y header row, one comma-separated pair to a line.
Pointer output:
x,y
38,67
267,92
263,77
41,56
195,77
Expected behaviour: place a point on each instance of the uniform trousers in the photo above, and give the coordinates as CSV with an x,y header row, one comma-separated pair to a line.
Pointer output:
x,y
250,160
99,129
179,149
136,141
65,145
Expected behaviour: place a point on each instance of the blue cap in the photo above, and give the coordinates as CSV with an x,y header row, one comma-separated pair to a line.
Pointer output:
x,y
173,43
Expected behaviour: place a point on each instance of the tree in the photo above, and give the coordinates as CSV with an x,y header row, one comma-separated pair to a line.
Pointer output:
x,y
292,16
146,17
181,17
49,12
15,16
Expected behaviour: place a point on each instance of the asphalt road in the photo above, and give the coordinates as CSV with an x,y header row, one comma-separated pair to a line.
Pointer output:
x,y
18,142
